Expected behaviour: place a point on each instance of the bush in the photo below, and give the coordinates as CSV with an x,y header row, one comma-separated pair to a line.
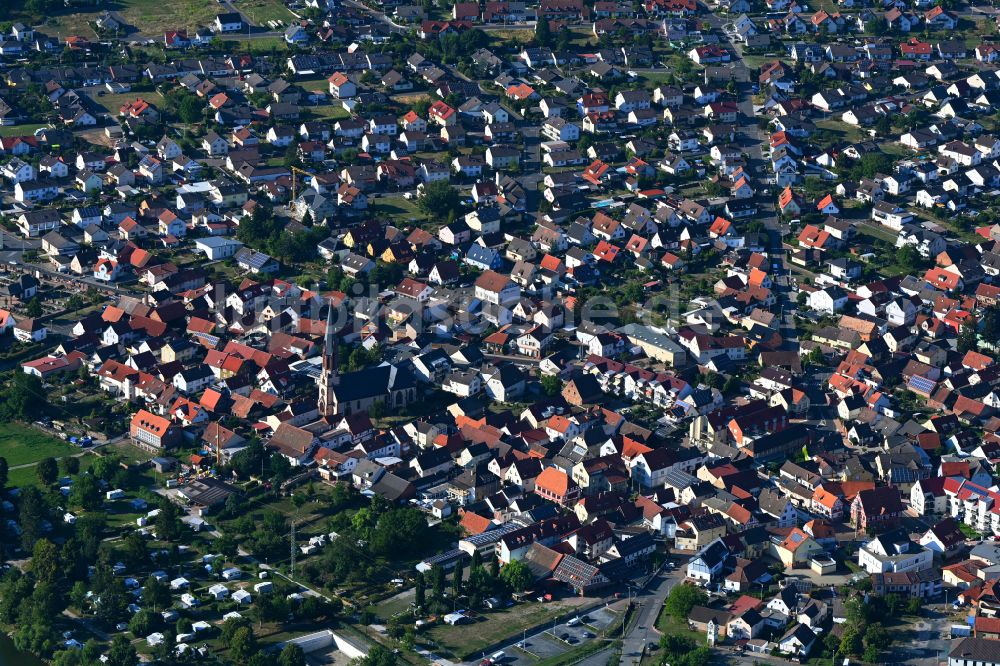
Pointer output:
x,y
682,599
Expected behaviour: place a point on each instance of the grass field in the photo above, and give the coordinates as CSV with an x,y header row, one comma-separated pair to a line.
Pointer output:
x,y
23,445
666,624
262,11
467,640
654,79
150,17
113,102
28,476
513,35
20,130
329,111
264,45
845,131
396,206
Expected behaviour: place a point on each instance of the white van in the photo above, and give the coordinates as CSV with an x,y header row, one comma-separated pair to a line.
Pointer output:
x,y
572,622
498,657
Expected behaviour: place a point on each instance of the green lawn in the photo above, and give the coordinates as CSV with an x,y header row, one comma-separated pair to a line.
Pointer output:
x,y
330,111
845,131
151,17
525,36
262,11
129,453
755,60
113,102
28,476
265,44
318,83
396,206
468,640
653,79
667,624
876,232
21,130
23,445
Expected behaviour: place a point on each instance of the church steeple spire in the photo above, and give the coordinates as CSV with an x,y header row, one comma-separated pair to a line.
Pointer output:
x,y
330,377
330,344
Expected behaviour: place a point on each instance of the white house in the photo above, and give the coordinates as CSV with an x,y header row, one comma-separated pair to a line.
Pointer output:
x,y
894,552
828,301
216,248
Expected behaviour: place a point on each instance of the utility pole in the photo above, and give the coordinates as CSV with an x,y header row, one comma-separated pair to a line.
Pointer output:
x,y
292,547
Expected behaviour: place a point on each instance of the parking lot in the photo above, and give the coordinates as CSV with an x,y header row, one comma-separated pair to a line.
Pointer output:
x,y
559,638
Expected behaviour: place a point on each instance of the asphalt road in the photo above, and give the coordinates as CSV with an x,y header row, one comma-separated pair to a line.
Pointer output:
x,y
649,601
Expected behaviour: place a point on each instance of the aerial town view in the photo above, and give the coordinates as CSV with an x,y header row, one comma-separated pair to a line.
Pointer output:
x,y
499,332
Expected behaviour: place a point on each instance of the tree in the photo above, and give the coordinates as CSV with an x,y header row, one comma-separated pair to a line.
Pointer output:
x,y
990,330
682,599
45,562
69,657
23,399
456,578
516,575
543,32
70,465
105,467
229,628
242,645
877,637
816,357
142,623
121,652
250,460
967,338
135,549
4,473
850,641
831,643
85,492
190,110
378,655
870,165
292,655
439,200
883,126
33,308
33,511
91,652
714,380
437,582
168,524
227,545
495,568
114,599
400,532
258,230
419,590
908,257
271,608
551,384
78,594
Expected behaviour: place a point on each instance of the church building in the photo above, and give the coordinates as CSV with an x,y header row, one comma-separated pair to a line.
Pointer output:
x,y
339,395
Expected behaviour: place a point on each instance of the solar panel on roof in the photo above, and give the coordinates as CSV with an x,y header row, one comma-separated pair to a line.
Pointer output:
x,y
256,259
208,338
921,383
